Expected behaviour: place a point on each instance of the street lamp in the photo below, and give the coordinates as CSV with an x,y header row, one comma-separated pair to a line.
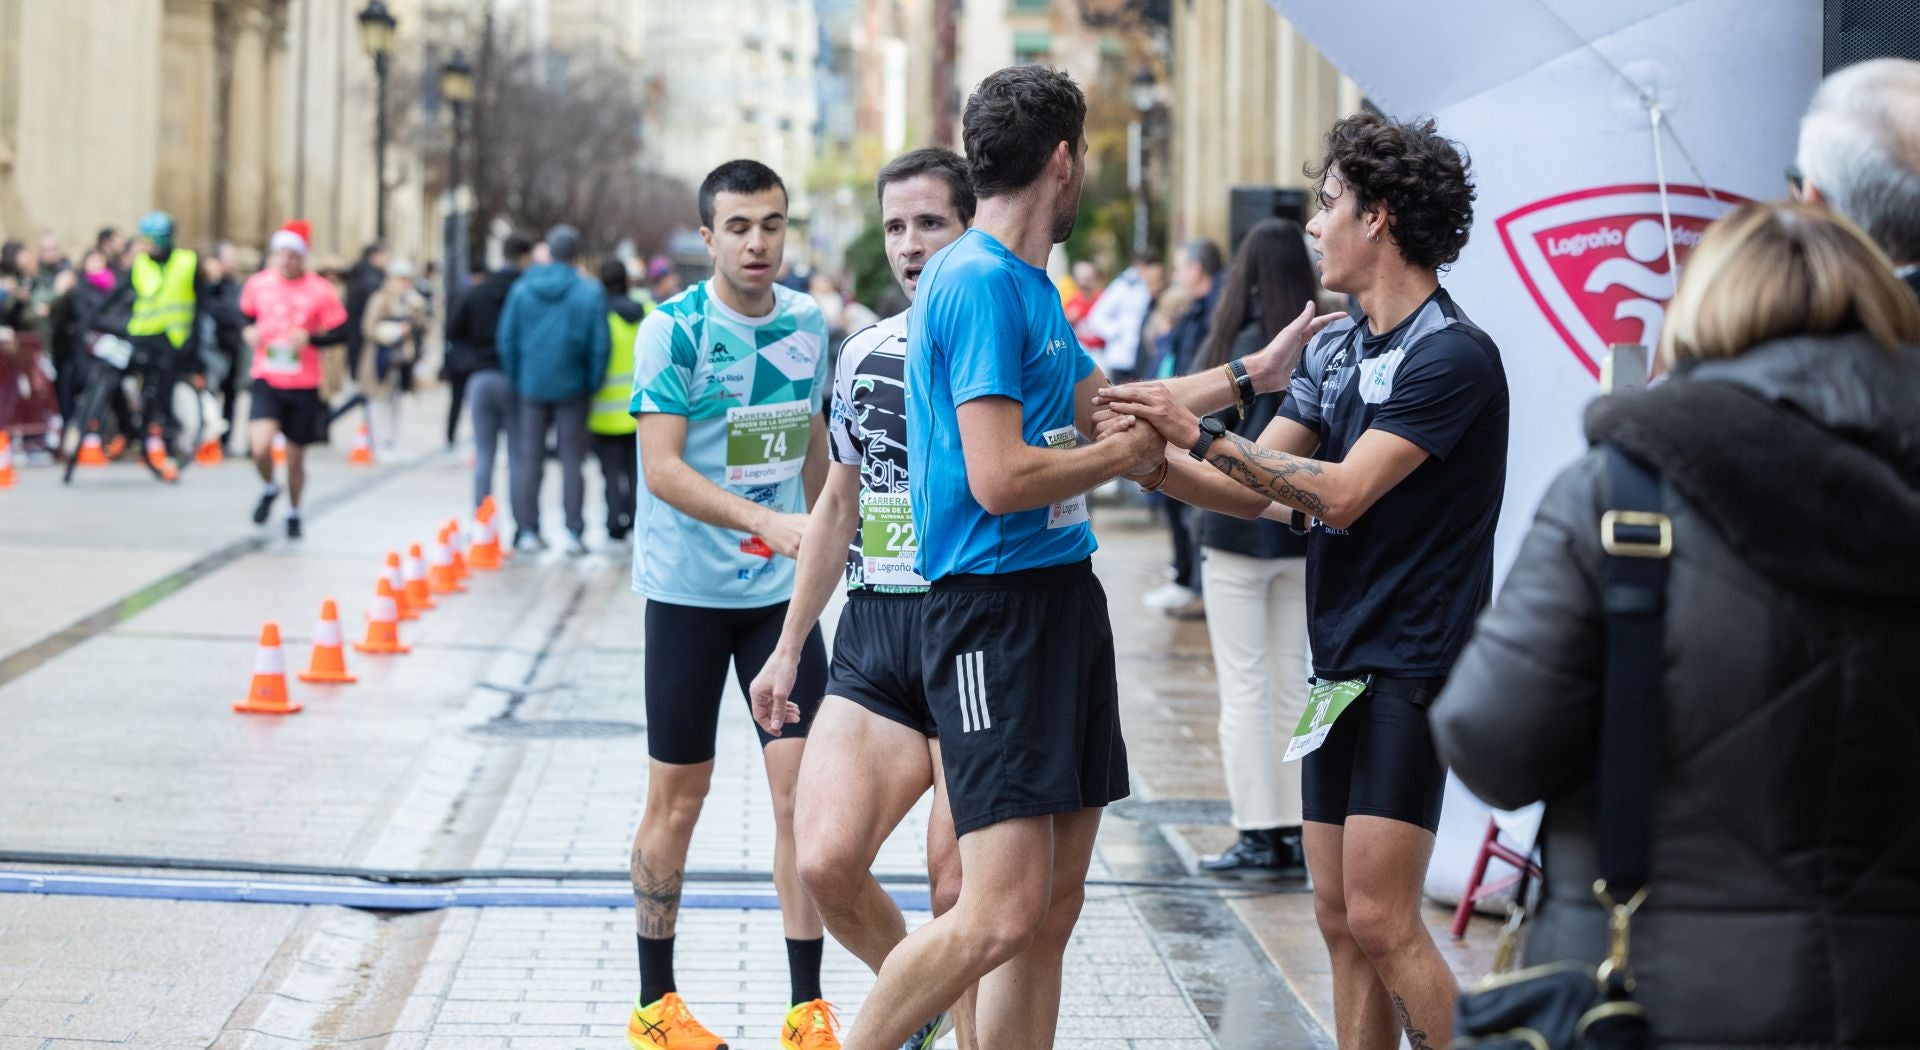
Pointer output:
x,y
376,35
456,87
1145,95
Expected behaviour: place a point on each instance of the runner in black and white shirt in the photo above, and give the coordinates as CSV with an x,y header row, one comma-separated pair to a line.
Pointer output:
x,y
872,750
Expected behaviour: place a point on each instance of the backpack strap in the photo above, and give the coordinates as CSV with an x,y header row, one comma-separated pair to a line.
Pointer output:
x,y
1637,537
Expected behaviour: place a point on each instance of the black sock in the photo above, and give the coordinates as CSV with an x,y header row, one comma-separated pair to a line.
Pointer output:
x,y
803,968
656,968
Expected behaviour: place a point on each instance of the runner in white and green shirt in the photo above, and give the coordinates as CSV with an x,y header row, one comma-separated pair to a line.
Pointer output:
x,y
729,381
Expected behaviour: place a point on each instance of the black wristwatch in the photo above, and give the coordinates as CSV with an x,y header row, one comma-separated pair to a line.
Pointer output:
x,y
1210,428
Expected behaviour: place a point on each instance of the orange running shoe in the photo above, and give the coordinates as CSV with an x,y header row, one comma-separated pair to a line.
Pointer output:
x,y
669,1025
811,1026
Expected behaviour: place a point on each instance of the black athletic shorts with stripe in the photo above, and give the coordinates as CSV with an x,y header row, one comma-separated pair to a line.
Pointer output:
x,y
1019,672
876,658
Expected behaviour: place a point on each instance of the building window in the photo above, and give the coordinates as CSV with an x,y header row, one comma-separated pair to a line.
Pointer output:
x,y
1031,46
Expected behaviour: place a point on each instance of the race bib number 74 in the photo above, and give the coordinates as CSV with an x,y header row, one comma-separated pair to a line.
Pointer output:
x,y
766,444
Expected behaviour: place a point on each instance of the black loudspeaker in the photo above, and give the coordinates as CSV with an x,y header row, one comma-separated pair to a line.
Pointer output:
x,y
1247,205
1856,30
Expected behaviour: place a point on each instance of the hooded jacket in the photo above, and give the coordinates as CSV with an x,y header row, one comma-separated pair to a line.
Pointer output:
x,y
553,337
1785,892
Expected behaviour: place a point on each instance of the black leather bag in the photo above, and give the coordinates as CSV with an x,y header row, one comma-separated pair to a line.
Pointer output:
x,y
1567,1005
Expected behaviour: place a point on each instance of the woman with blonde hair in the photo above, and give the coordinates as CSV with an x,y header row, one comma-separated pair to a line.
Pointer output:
x,y
1783,857
396,315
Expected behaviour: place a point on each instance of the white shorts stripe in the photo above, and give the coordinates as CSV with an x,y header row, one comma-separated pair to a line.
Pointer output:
x,y
980,689
963,683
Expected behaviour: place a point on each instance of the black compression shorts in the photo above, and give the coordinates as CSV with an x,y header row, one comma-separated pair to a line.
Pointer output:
x,y
300,412
688,649
1378,761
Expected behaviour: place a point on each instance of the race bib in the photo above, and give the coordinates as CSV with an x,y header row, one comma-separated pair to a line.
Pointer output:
x,y
887,541
766,444
1073,511
283,358
1324,704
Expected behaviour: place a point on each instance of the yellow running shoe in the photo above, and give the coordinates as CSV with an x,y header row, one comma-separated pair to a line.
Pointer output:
x,y
669,1025
811,1026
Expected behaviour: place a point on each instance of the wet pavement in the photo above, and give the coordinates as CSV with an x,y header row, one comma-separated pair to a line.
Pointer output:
x,y
511,738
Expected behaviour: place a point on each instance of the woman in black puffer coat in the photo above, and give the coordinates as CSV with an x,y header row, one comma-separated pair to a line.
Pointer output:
x,y
1785,893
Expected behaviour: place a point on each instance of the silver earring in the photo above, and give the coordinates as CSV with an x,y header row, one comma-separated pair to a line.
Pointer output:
x,y
1374,237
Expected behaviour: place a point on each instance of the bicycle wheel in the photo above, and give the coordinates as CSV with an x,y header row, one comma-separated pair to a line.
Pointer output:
x,y
92,414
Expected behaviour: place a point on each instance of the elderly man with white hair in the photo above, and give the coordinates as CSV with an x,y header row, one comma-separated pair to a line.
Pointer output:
x,y
1860,155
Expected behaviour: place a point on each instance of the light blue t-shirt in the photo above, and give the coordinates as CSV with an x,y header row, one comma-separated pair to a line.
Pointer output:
x,y
749,387
985,323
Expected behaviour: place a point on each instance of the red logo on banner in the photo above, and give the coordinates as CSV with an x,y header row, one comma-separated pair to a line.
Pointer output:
x,y
1596,260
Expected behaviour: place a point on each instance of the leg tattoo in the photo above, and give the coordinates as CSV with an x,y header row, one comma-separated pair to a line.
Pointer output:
x,y
656,898
1416,1037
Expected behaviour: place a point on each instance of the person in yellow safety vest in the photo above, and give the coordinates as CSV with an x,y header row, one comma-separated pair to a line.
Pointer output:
x,y
168,293
609,422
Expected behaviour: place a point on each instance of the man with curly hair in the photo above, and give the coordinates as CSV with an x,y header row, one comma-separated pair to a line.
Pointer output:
x,y
1403,409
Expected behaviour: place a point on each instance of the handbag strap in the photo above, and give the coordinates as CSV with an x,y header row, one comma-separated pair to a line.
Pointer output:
x,y
1638,539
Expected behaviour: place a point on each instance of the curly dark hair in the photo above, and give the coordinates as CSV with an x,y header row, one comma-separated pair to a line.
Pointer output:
x,y
1424,180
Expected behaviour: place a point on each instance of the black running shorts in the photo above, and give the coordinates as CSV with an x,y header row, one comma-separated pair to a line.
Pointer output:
x,y
1020,678
876,658
688,649
1378,761
301,414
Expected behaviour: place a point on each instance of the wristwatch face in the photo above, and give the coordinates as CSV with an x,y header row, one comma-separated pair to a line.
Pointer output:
x,y
1213,426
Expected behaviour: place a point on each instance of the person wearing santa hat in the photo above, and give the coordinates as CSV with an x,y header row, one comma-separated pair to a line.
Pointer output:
x,y
292,312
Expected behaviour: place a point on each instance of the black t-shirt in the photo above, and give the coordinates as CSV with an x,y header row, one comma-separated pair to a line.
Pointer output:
x,y
1397,594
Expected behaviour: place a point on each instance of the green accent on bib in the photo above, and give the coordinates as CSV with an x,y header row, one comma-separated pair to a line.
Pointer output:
x,y
1325,704
886,527
767,443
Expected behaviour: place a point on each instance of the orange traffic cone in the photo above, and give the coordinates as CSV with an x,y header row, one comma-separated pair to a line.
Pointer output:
x,y
440,577
383,622
91,454
269,693
486,553
279,449
6,460
399,584
362,454
457,550
418,589
329,663
209,453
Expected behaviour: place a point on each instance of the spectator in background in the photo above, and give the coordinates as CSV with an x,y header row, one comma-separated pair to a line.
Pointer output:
x,y
390,337
611,423
473,328
1087,287
365,278
1785,868
112,246
1255,575
553,344
662,282
1199,268
52,260
1860,155
229,324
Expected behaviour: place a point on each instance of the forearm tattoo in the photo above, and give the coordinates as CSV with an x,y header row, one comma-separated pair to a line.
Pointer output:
x,y
1269,473
656,898
1416,1037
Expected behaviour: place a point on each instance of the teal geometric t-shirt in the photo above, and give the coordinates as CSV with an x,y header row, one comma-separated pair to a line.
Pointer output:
x,y
750,388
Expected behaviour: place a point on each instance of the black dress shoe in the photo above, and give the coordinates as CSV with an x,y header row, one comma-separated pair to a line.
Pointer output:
x,y
1268,853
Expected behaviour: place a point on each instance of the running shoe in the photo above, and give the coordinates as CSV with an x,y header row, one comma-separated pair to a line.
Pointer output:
x,y
1168,595
811,1026
576,545
293,528
930,1033
265,506
668,1025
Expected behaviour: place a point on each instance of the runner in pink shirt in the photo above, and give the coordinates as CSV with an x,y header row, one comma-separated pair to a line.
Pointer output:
x,y
293,313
